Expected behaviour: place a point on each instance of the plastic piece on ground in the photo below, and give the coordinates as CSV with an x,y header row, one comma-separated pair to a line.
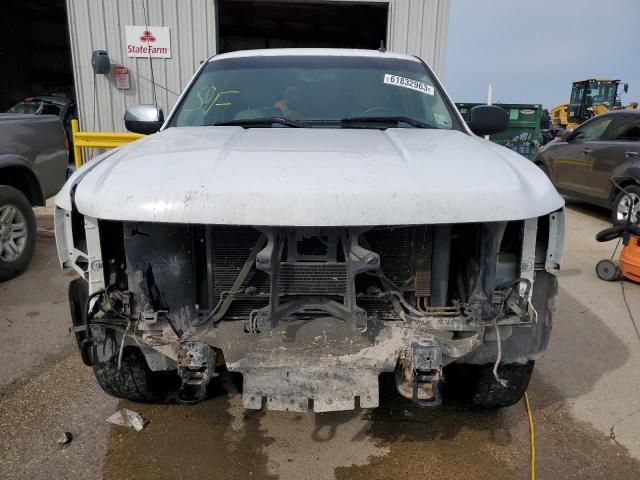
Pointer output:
x,y
127,418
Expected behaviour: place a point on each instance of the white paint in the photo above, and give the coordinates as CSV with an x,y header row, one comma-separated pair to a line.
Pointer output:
x,y
147,41
313,177
315,52
94,256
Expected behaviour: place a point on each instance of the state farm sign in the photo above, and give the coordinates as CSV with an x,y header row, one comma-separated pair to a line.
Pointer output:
x,y
154,42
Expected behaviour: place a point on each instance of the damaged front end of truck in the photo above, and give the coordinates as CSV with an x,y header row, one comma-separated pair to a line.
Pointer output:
x,y
310,316
312,219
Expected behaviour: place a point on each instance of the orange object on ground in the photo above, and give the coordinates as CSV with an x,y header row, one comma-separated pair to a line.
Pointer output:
x,y
630,260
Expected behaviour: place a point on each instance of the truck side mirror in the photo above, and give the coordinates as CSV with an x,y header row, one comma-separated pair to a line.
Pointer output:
x,y
144,118
488,119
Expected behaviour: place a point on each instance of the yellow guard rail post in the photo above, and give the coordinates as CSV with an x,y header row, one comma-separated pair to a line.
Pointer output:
x,y
97,140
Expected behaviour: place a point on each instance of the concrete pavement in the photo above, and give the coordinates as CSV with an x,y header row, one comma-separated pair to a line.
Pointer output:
x,y
45,389
594,352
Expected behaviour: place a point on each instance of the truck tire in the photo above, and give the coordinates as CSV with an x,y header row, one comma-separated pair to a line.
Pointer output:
x,y
621,204
17,232
134,381
476,385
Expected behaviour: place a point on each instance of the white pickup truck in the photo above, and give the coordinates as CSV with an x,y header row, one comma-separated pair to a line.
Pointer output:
x,y
312,219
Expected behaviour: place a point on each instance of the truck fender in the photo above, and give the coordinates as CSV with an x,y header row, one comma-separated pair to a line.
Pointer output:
x,y
26,181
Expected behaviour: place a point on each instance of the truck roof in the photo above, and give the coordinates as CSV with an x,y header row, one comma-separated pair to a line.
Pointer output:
x,y
18,116
60,100
313,52
25,117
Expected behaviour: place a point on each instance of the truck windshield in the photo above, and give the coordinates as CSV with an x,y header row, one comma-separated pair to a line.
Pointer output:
x,y
315,91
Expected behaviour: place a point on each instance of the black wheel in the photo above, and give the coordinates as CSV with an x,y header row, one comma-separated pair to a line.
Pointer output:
x,y
608,270
476,385
624,202
134,381
17,232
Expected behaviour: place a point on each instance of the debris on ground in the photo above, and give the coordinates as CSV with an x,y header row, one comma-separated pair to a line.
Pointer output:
x,y
65,438
127,418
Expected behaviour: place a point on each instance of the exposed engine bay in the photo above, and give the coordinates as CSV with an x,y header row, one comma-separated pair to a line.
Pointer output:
x,y
312,316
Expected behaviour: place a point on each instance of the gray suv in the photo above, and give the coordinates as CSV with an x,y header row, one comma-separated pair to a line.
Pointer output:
x,y
581,162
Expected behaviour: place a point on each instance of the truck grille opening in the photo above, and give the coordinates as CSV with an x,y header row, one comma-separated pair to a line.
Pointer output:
x,y
312,279
192,270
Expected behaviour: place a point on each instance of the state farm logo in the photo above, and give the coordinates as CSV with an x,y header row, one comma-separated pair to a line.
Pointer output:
x,y
144,41
147,36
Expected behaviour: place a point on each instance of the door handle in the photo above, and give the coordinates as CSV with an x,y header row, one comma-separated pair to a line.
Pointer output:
x,y
630,154
586,151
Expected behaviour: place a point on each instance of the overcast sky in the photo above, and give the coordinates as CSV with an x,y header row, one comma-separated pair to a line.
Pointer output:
x,y
531,50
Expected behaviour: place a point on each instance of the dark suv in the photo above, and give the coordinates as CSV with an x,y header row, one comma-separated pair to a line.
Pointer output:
x,y
33,167
581,162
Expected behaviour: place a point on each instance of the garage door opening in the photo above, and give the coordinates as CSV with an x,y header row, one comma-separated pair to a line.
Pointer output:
x,y
35,56
246,25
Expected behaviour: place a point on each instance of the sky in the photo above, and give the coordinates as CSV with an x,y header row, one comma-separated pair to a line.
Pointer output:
x,y
532,50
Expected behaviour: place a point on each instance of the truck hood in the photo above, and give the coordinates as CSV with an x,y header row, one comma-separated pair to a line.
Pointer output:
x,y
311,177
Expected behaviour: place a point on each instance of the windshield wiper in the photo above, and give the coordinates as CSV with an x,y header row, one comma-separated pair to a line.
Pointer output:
x,y
247,122
392,119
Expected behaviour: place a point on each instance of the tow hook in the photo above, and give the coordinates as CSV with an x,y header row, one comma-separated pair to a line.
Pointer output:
x,y
196,367
419,373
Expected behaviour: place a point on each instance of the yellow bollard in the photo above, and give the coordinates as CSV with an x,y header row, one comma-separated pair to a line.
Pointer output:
x,y
97,140
77,151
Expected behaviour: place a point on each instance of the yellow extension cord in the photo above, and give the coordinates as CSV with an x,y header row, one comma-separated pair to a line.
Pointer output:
x,y
532,436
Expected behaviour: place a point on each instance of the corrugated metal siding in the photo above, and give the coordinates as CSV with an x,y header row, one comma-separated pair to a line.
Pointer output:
x,y
417,27
100,25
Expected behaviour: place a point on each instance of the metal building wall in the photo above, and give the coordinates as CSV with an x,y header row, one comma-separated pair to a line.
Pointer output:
x,y
100,25
415,26
419,27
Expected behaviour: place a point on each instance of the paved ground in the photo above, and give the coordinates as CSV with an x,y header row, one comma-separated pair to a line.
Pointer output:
x,y
584,398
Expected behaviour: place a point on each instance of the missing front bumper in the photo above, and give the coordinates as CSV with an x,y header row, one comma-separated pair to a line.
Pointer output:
x,y
307,388
321,365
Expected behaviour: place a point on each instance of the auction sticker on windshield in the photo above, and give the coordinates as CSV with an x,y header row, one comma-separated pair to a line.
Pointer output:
x,y
408,83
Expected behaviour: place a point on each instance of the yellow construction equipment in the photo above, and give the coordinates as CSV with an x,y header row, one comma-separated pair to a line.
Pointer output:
x,y
589,98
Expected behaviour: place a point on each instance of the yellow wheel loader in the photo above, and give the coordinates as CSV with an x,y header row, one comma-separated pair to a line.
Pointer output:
x,y
589,98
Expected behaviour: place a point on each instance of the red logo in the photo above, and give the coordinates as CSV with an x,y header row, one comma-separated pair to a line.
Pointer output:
x,y
147,37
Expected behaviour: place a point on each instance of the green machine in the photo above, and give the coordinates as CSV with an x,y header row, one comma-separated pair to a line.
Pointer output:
x,y
524,134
